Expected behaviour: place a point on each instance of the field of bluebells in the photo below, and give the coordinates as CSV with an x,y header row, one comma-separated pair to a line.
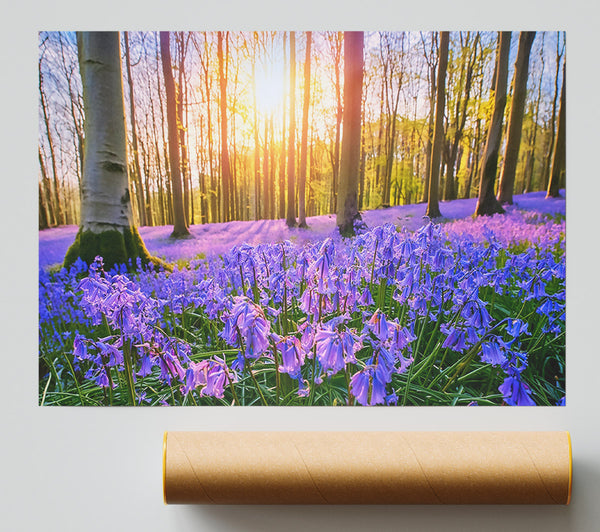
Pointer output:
x,y
464,313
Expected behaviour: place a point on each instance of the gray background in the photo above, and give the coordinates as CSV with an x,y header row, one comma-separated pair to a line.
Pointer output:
x,y
100,469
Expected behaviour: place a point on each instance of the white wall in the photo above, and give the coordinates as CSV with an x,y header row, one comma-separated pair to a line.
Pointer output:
x,y
85,469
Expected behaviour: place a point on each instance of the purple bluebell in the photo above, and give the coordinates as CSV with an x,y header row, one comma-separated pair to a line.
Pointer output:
x,y
491,353
330,350
292,354
515,391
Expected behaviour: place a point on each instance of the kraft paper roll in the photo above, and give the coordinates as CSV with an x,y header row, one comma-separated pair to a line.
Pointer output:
x,y
367,467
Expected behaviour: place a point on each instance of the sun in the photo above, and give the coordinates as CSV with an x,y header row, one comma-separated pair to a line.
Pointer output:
x,y
269,88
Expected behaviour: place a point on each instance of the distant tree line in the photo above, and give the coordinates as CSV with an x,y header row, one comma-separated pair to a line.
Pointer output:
x,y
227,126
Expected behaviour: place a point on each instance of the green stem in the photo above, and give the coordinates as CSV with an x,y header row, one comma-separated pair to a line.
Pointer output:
x,y
314,371
128,371
75,379
46,389
411,367
232,387
262,397
243,281
276,359
373,265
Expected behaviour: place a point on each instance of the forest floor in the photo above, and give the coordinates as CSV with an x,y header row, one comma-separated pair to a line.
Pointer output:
x,y
218,238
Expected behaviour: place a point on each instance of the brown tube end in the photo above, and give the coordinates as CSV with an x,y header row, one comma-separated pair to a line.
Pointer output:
x,y
164,467
570,468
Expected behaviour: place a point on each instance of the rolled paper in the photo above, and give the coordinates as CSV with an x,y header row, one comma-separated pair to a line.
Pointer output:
x,y
367,467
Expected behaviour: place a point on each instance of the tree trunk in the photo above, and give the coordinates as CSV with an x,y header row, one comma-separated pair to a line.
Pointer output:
x,y
168,196
390,149
257,213
337,50
283,139
451,190
57,207
74,103
46,194
363,155
559,158
266,180
180,228
106,227
515,124
549,155
291,168
430,125
225,165
530,163
214,198
304,143
347,211
43,210
136,160
161,202
433,208
234,197
181,129
272,204
379,138
487,204
147,172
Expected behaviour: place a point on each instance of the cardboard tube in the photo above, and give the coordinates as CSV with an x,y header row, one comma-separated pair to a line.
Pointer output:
x,y
367,467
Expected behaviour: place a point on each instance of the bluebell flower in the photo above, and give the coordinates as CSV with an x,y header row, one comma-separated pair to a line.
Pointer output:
x,y
476,315
145,366
455,339
378,393
102,378
492,354
330,350
359,385
379,326
391,399
516,327
366,299
400,337
292,354
249,319
80,347
515,391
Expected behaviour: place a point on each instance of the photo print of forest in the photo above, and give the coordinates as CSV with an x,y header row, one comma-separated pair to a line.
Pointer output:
x,y
302,218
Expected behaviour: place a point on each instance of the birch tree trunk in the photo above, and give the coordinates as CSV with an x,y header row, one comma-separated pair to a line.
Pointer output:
x,y
107,227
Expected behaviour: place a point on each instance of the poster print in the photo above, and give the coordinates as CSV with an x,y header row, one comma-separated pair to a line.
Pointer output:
x,y
302,218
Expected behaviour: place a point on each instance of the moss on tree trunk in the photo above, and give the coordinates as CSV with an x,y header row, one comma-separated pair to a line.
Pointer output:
x,y
114,246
